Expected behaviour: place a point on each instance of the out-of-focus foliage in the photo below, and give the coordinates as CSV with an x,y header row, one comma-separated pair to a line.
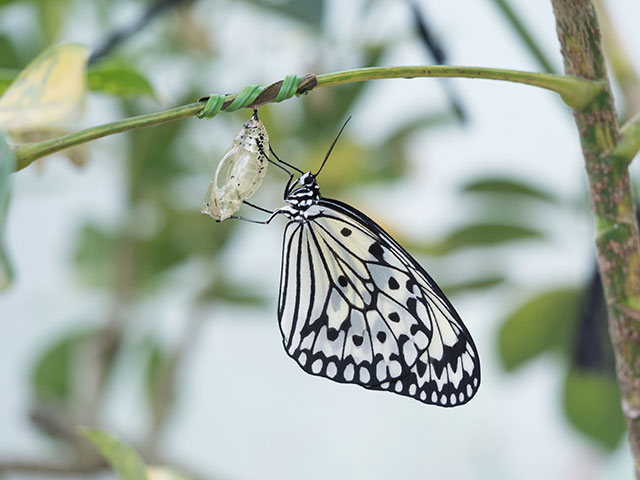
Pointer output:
x,y
479,235
509,186
7,165
592,403
551,321
543,323
311,13
53,374
118,78
112,77
124,460
47,91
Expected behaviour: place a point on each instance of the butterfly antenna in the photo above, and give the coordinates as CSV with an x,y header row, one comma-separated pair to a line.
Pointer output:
x,y
332,145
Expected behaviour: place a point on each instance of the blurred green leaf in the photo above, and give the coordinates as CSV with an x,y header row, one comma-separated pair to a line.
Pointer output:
x,y
158,379
7,166
220,290
95,255
137,261
154,162
592,404
541,324
51,14
6,270
165,473
8,55
473,284
118,78
7,75
492,185
52,375
124,460
479,235
310,12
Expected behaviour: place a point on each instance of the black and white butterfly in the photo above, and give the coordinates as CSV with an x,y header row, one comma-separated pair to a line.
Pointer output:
x,y
355,307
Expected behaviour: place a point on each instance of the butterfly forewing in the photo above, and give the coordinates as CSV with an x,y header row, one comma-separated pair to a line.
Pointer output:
x,y
355,307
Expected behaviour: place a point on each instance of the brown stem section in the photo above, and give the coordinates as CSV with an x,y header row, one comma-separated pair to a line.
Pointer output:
x,y
612,203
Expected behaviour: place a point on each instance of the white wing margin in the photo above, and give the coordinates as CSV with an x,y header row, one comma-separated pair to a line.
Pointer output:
x,y
355,307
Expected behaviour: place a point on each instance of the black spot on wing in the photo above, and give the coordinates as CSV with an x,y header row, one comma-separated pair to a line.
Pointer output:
x,y
394,317
377,251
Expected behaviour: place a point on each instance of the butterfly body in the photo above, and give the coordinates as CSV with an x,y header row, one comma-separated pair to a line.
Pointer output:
x,y
355,307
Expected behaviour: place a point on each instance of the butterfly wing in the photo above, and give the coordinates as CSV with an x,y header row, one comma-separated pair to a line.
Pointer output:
x,y
355,307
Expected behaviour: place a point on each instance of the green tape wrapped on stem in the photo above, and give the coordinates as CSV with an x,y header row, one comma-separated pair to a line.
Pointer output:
x,y
288,88
213,106
246,97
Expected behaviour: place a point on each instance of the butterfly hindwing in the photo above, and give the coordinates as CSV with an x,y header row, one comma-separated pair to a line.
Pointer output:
x,y
357,308
333,318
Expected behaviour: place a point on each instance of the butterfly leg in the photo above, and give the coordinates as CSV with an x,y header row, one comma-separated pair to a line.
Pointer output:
x,y
257,207
261,222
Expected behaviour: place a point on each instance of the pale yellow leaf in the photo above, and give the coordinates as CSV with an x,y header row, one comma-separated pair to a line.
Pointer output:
x,y
47,91
165,473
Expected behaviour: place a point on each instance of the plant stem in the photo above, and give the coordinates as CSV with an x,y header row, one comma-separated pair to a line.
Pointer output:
x,y
576,92
27,153
612,202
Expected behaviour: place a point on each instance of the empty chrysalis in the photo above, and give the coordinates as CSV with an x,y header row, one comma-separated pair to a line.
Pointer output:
x,y
240,171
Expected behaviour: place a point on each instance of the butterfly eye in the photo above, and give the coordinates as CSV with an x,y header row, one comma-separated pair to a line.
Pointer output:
x,y
308,180
240,172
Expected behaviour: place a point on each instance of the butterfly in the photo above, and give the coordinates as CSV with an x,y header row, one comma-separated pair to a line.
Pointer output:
x,y
356,307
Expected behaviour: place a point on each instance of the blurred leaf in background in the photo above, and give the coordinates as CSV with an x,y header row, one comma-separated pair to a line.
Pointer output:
x,y
7,166
47,91
118,78
122,458
545,322
592,404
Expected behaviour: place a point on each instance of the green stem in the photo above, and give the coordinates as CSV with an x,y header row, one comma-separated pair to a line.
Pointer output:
x,y
28,153
576,93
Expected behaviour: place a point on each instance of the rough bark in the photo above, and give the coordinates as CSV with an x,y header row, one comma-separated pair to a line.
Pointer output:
x,y
612,203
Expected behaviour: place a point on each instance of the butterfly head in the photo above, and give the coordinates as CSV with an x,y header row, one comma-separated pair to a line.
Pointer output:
x,y
304,192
